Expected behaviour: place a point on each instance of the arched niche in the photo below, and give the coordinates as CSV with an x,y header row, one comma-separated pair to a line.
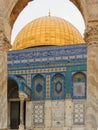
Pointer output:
x,y
12,88
58,86
79,85
38,87
13,104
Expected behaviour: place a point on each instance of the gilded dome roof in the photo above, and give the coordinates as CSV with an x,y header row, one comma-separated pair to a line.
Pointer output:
x,y
48,30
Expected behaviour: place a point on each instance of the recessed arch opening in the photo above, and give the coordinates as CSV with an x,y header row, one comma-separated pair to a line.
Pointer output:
x,y
72,14
12,88
13,104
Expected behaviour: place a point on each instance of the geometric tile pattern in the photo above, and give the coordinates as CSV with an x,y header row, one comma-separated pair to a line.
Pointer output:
x,y
58,86
38,70
47,86
38,113
79,114
38,87
31,69
29,80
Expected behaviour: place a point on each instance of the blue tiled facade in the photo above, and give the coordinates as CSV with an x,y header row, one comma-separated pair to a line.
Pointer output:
x,y
49,71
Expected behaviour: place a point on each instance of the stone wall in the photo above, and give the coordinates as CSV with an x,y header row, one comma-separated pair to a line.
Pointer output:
x,y
56,115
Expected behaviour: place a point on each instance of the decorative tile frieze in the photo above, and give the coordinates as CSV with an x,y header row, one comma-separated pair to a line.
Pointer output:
x,y
45,53
29,80
46,70
41,66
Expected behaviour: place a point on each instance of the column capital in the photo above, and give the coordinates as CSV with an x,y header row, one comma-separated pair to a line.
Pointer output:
x,y
91,35
22,96
4,42
21,127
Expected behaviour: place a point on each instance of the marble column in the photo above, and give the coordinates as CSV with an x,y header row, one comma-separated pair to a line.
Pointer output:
x,y
4,47
22,97
22,113
91,37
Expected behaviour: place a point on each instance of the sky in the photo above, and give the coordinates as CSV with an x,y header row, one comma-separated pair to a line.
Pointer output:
x,y
38,8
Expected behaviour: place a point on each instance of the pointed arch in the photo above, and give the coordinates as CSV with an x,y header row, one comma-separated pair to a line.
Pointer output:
x,y
79,85
12,87
58,86
38,87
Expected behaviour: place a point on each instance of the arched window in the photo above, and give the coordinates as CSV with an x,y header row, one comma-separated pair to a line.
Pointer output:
x,y
58,87
38,87
79,85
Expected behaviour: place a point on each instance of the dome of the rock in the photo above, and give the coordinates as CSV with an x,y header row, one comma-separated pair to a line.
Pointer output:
x,y
47,31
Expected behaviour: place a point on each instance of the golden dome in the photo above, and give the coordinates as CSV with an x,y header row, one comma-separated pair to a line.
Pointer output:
x,y
48,30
